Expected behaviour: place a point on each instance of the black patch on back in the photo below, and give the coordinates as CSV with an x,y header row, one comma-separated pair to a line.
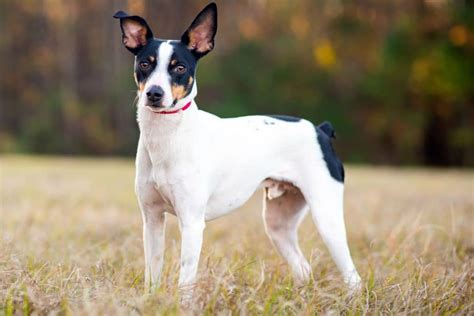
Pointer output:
x,y
324,133
286,118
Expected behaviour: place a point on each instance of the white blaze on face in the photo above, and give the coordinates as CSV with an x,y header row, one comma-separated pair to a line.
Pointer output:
x,y
160,76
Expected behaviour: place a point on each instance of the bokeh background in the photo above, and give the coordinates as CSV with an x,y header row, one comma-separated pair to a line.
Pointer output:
x,y
394,77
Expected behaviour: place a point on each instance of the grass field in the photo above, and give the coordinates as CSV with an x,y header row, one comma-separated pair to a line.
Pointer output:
x,y
70,242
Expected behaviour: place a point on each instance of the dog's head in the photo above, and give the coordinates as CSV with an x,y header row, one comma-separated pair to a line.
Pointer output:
x,y
165,69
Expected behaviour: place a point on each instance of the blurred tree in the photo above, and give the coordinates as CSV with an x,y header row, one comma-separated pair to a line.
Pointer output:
x,y
395,77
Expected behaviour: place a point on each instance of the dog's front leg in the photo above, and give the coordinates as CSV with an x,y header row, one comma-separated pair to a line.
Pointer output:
x,y
154,245
192,229
152,207
153,236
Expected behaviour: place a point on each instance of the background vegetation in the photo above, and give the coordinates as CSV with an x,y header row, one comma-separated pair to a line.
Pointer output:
x,y
395,77
70,242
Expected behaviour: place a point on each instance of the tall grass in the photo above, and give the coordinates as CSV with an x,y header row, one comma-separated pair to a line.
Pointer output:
x,y
70,242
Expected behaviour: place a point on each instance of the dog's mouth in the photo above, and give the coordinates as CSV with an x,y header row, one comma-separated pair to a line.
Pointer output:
x,y
155,108
158,107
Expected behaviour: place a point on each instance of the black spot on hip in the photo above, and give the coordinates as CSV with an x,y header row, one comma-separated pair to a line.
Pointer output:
x,y
324,132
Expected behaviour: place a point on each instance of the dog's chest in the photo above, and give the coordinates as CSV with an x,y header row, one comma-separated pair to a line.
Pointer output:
x,y
176,173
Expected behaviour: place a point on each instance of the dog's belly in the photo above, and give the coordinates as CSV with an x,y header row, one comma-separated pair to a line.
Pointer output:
x,y
224,201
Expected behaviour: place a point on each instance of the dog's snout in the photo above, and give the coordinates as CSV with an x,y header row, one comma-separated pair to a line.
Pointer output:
x,y
155,93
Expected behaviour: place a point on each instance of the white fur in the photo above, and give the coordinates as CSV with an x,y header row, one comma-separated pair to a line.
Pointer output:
x,y
198,167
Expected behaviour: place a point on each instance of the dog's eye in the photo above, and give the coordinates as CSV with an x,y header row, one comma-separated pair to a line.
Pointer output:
x,y
180,69
144,65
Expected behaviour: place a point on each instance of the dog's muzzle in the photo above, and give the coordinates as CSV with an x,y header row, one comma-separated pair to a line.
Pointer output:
x,y
155,95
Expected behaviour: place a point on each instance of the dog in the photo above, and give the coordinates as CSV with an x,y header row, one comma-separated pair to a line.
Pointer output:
x,y
198,167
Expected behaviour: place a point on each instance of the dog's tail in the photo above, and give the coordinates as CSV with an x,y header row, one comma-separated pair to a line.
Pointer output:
x,y
325,132
327,128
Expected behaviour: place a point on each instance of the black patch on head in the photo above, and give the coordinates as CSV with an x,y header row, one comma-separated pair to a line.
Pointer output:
x,y
324,134
149,54
182,56
286,118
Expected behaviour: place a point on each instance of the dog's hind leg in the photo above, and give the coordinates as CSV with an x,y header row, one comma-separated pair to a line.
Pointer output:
x,y
283,209
325,197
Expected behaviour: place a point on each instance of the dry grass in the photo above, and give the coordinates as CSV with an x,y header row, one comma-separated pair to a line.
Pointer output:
x,y
70,241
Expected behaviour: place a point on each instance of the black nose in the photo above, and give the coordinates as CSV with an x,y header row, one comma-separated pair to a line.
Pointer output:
x,y
155,94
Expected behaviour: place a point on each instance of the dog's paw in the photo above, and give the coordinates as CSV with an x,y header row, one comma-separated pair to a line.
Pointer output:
x,y
354,284
186,295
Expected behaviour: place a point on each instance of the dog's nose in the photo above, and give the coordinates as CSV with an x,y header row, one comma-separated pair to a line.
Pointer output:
x,y
155,93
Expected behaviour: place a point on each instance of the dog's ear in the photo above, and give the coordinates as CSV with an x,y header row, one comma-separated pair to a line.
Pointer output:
x,y
199,37
135,31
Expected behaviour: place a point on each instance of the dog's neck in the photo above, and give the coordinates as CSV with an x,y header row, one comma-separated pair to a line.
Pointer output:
x,y
166,131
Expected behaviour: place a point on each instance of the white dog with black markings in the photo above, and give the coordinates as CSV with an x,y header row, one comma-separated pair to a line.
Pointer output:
x,y
198,166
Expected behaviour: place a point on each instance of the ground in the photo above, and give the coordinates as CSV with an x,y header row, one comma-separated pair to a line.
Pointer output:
x,y
70,241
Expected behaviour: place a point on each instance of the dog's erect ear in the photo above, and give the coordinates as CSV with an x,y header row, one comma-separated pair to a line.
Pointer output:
x,y
135,31
199,37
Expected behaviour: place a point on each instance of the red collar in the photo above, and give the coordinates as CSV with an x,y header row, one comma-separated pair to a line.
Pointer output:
x,y
184,108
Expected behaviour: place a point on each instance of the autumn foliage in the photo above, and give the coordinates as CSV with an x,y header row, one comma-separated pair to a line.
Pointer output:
x,y
394,77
